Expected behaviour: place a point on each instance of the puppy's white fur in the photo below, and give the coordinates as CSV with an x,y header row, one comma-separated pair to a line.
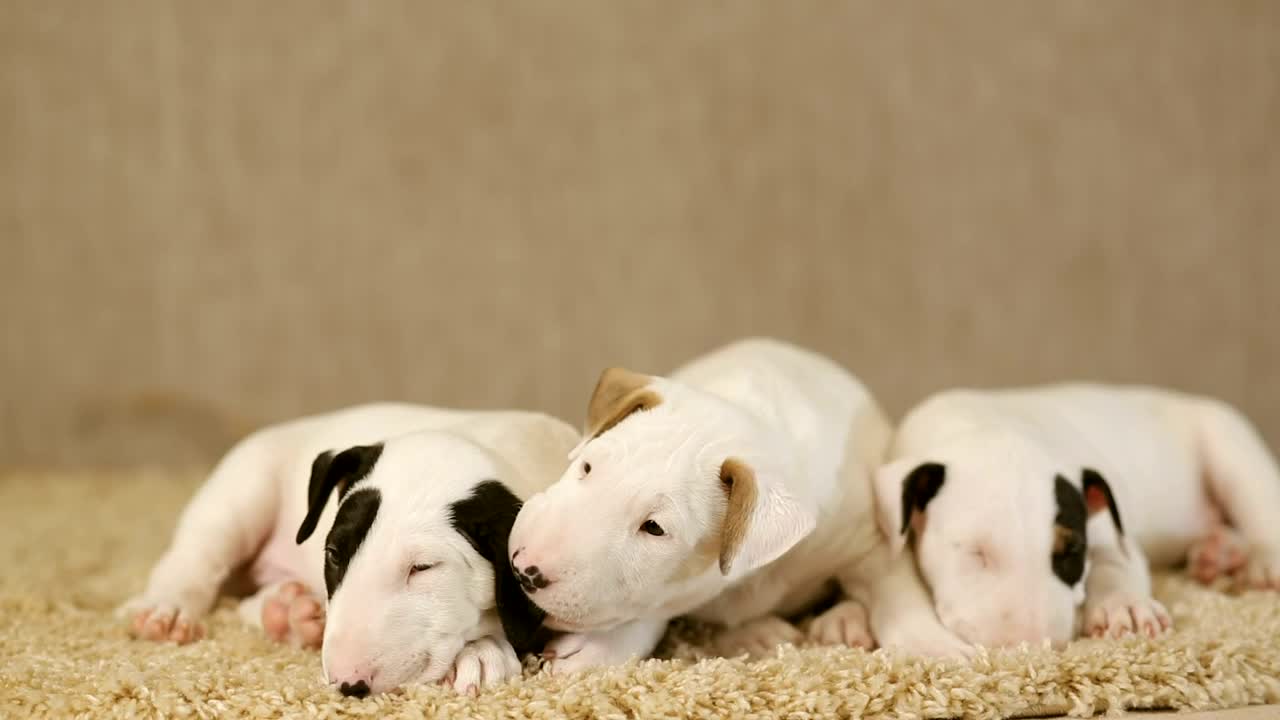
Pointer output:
x,y
758,435
984,541
385,625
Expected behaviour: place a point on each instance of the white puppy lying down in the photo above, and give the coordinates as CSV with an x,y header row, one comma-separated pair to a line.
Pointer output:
x,y
996,487
733,491
409,554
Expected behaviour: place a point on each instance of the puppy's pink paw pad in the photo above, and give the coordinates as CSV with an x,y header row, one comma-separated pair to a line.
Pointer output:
x,y
293,615
844,624
1221,552
162,623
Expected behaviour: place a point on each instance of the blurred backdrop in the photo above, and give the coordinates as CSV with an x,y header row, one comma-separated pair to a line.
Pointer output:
x,y
216,215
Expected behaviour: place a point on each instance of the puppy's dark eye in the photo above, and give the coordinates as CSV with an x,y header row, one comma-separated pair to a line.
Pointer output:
x,y
653,528
586,468
421,568
331,555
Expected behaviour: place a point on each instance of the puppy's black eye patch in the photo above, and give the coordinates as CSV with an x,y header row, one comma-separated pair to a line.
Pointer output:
x,y
350,526
1069,540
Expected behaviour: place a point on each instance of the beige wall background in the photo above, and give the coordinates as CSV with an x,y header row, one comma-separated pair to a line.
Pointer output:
x,y
220,214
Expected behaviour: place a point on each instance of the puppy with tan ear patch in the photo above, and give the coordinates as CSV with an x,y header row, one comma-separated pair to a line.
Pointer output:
x,y
732,490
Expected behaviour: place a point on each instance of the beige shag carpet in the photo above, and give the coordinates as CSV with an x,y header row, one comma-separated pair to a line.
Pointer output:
x,y
77,545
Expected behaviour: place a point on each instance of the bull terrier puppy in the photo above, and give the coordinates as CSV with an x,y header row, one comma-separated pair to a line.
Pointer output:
x,y
407,582
1055,498
732,491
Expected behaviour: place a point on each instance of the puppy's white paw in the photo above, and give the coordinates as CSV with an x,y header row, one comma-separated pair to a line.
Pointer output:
x,y
162,620
846,623
757,638
573,652
482,663
1261,571
1121,614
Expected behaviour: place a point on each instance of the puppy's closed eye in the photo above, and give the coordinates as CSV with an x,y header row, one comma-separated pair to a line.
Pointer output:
x,y
421,567
982,555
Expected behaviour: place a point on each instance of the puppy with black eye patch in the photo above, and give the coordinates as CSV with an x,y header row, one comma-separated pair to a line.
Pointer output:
x,y
377,533
1033,514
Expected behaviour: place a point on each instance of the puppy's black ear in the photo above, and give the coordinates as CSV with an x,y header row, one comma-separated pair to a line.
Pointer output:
x,y
329,471
918,488
1097,496
485,518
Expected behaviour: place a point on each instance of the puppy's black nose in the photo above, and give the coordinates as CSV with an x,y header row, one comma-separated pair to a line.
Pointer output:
x,y
532,579
358,690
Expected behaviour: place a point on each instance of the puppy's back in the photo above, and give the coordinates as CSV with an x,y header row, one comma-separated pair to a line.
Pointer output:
x,y
534,446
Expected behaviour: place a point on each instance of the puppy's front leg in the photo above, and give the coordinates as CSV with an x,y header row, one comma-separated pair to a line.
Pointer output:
x,y
221,528
898,607
579,651
1118,597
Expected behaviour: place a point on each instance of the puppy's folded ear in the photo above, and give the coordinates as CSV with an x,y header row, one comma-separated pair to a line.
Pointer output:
x,y
485,518
329,471
761,521
1097,496
903,489
619,392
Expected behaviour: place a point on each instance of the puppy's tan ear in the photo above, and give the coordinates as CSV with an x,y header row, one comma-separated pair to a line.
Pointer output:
x,y
739,484
618,393
760,523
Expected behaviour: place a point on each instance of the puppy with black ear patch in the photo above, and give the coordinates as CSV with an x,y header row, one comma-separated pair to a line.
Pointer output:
x,y
1034,512
380,530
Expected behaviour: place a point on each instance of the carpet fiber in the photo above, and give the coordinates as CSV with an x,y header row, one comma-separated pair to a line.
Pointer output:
x,y
77,545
